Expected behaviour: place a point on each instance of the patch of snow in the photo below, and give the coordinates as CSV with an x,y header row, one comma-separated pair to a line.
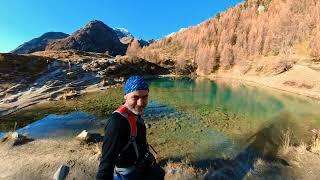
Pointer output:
x,y
173,33
122,32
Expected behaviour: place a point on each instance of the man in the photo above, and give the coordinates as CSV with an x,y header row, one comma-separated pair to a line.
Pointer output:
x,y
125,151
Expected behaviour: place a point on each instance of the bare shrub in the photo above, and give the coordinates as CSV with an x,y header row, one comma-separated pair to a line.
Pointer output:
x,y
290,83
282,67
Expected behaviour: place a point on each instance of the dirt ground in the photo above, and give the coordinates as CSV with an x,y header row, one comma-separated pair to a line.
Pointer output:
x,y
39,159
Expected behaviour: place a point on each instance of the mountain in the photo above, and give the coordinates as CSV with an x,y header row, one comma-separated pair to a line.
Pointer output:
x,y
124,35
122,32
246,36
127,38
144,43
94,37
39,43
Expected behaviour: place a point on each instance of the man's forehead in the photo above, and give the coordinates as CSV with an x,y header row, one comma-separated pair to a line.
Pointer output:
x,y
139,93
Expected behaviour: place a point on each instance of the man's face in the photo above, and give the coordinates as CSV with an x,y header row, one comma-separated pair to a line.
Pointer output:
x,y
136,101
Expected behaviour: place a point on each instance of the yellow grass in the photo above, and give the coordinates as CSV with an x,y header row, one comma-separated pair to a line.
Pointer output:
x,y
285,144
315,146
182,171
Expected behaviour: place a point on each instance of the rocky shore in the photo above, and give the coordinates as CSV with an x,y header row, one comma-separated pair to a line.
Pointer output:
x,y
64,75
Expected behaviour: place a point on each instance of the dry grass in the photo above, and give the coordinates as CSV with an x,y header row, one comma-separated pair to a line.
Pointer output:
x,y
315,146
301,149
182,171
285,143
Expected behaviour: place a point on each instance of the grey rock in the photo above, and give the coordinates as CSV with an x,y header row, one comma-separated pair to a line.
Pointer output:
x,y
61,173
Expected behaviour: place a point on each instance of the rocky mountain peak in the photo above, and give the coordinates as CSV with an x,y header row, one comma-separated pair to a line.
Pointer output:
x,y
94,37
96,24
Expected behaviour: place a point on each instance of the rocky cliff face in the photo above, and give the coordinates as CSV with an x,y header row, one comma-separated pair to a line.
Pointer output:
x,y
39,43
94,37
240,36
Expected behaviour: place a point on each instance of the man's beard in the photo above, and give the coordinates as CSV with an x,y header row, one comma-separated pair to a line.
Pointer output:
x,y
141,112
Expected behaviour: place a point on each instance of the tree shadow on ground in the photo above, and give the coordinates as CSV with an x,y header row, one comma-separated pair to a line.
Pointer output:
x,y
262,145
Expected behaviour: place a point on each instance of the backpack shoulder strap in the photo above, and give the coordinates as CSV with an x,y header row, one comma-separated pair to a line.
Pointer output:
x,y
133,128
131,119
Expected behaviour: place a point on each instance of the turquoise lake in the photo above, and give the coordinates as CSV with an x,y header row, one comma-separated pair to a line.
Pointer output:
x,y
203,119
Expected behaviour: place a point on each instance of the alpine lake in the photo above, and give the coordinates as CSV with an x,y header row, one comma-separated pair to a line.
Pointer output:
x,y
194,119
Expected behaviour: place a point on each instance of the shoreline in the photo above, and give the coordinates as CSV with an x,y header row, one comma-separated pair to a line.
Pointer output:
x,y
306,84
263,85
305,81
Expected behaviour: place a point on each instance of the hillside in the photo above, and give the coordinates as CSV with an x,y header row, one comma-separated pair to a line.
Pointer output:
x,y
245,34
26,80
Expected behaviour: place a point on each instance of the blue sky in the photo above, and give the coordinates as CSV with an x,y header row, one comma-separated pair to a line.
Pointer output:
x,y
23,20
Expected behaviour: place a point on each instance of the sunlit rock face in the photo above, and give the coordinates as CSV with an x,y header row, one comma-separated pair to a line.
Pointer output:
x,y
39,43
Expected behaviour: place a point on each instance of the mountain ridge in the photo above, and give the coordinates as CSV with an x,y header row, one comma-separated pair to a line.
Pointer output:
x,y
39,43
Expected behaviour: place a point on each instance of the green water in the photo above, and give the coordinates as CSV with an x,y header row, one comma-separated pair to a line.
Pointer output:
x,y
222,118
241,99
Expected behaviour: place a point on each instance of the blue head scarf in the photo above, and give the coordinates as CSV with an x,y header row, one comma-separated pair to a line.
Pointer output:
x,y
135,83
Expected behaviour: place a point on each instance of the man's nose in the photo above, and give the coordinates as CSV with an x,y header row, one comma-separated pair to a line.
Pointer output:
x,y
140,102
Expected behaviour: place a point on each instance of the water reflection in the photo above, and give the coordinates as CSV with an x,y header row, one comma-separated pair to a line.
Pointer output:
x,y
59,125
253,118
236,97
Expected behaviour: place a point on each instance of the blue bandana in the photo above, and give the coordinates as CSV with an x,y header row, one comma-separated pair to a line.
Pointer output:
x,y
135,83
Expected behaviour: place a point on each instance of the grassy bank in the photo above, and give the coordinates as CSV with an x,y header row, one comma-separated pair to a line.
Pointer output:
x,y
100,103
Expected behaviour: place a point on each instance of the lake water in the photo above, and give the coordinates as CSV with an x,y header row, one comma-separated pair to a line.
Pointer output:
x,y
203,119
221,118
